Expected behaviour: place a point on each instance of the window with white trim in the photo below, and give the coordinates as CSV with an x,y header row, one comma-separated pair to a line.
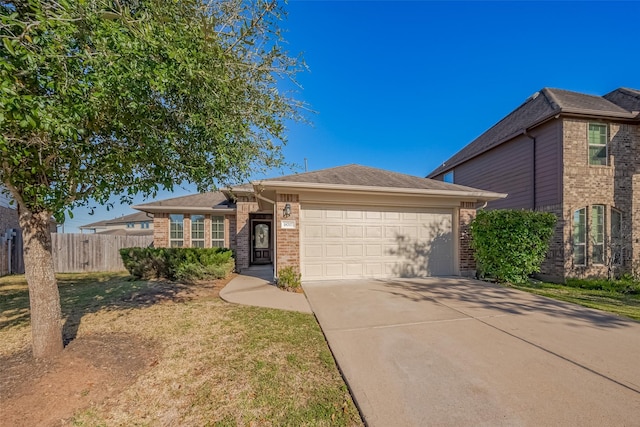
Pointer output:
x,y
197,231
448,177
176,230
145,224
217,231
616,237
598,136
597,234
131,225
580,236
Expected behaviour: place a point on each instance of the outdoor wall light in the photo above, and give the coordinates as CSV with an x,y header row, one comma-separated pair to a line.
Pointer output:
x,y
286,212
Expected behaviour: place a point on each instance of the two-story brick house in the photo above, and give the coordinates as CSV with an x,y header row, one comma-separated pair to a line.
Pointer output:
x,y
572,154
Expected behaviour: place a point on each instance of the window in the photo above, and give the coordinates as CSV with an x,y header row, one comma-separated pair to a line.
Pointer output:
x,y
597,234
131,225
616,237
217,231
176,230
448,177
580,237
197,231
144,224
597,144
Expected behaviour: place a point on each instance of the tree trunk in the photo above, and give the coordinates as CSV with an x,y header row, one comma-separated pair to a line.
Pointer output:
x,y
44,298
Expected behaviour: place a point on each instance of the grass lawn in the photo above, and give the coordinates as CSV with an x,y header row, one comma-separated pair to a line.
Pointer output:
x,y
213,363
614,299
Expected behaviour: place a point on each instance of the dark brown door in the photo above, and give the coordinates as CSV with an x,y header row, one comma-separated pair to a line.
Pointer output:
x,y
262,245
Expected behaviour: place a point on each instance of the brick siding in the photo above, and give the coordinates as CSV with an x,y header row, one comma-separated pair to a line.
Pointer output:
x,y
161,230
288,250
466,260
244,206
614,186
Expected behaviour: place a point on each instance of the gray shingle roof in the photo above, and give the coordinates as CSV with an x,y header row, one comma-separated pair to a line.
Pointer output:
x,y
629,99
541,106
202,200
357,175
134,217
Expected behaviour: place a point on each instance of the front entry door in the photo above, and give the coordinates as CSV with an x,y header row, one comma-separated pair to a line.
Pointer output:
x,y
262,246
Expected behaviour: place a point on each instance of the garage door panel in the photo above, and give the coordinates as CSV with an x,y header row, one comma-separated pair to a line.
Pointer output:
x,y
334,231
332,250
375,242
373,250
310,231
354,231
313,251
334,270
373,215
374,232
354,250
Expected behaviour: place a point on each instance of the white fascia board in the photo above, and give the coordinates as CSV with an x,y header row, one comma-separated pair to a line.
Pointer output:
x,y
484,196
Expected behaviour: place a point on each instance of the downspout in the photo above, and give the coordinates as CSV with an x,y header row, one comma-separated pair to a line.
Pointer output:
x,y
274,225
533,166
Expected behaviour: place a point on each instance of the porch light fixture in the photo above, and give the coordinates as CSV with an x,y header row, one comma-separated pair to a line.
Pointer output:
x,y
286,212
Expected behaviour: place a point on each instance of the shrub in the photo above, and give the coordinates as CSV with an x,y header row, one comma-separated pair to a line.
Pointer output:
x,y
289,279
624,285
185,264
510,245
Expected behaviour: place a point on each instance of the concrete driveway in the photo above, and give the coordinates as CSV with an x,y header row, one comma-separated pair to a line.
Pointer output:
x,y
425,352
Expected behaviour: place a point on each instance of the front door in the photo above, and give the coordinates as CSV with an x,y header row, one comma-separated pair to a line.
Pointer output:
x,y
261,242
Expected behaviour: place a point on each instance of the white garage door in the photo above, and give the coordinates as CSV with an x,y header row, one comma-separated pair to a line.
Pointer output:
x,y
362,242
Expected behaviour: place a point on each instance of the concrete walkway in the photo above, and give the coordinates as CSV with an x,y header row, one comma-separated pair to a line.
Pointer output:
x,y
457,352
254,287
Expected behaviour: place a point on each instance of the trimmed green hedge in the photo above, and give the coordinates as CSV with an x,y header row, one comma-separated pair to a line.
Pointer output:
x,y
510,245
186,264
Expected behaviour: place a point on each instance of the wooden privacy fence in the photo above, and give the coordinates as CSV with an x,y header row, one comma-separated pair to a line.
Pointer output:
x,y
76,253
11,252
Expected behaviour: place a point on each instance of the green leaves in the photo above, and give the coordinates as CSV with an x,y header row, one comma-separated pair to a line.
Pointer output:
x,y
98,98
510,245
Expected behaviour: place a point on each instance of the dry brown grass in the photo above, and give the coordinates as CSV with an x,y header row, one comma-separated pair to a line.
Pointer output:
x,y
214,363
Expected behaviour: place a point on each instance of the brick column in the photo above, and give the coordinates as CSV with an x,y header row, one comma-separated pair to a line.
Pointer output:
x,y
287,240
161,230
466,260
186,231
244,206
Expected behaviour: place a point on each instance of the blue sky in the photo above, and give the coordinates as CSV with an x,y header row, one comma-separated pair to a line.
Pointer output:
x,y
404,85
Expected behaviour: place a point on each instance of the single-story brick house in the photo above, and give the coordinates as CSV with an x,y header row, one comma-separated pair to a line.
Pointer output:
x,y
346,222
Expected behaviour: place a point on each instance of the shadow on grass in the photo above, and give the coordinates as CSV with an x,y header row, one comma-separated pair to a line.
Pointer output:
x,y
85,294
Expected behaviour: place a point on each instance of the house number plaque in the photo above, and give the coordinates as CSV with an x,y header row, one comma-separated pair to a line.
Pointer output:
x,y
288,224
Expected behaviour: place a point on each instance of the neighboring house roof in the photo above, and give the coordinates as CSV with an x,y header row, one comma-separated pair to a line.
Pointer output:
x,y
622,103
363,178
134,217
129,232
202,202
629,99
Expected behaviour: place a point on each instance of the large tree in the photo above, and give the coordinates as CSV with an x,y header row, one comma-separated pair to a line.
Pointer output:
x,y
125,97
